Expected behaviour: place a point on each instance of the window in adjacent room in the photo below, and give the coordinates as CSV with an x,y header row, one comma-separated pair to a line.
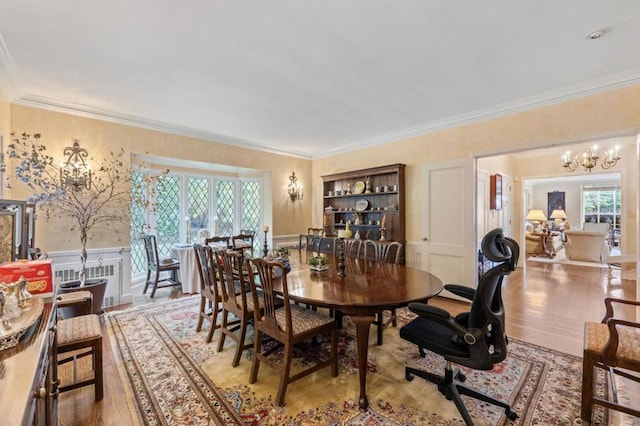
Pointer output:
x,y
602,204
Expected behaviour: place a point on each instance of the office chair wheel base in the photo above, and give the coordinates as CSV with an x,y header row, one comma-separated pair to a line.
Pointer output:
x,y
461,377
512,415
409,376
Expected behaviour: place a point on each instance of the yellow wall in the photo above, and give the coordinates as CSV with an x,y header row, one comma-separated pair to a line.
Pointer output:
x,y
59,130
611,113
5,129
504,165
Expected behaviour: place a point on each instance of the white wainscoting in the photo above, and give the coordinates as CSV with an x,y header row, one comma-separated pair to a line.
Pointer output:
x,y
288,241
114,264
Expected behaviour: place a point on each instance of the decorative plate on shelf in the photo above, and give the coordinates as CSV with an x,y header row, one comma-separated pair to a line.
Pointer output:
x,y
362,205
358,187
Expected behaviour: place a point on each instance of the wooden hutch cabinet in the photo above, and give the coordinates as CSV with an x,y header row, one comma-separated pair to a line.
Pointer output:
x,y
371,200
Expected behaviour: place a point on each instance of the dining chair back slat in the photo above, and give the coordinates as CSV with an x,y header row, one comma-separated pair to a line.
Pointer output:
x,y
387,252
236,300
352,248
306,240
246,240
218,241
209,288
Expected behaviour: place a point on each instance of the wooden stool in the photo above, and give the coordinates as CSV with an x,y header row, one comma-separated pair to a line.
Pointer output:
x,y
79,333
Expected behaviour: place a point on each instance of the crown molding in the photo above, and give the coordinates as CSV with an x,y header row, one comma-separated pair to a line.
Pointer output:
x,y
568,93
87,111
9,87
541,100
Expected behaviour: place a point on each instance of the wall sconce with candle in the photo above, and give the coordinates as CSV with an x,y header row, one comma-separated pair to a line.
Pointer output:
x,y
294,189
74,171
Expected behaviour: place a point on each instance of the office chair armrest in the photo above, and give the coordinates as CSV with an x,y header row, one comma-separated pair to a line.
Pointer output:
x,y
461,290
609,301
429,312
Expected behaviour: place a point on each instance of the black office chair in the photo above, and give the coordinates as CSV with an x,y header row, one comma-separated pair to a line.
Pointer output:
x,y
476,339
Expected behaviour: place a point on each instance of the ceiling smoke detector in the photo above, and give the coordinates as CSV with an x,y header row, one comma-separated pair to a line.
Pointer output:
x,y
596,34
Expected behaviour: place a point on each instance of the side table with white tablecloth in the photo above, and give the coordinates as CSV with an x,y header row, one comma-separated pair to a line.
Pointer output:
x,y
188,267
620,260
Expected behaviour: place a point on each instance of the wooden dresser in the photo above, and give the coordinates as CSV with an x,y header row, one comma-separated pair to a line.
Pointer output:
x,y
28,376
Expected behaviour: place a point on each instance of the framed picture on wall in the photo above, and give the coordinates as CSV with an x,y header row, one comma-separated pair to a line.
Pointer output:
x,y
495,192
555,201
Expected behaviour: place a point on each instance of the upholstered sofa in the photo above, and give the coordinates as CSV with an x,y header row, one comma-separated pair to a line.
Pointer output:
x,y
586,246
534,245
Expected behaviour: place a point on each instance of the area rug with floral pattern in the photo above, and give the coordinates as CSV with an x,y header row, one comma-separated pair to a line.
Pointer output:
x,y
178,379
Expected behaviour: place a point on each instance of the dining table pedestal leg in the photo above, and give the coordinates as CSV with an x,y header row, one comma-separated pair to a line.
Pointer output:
x,y
363,324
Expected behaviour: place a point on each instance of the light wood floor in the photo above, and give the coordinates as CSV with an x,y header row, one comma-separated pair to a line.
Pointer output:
x,y
547,306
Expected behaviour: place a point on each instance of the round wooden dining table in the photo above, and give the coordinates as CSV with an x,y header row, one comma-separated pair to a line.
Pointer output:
x,y
368,287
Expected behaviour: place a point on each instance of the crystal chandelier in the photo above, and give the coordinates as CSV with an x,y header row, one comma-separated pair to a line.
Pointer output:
x,y
589,158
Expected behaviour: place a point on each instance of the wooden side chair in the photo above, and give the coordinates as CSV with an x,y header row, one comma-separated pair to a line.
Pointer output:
x,y
76,334
248,232
289,324
326,245
352,248
244,241
155,266
209,289
614,346
387,252
309,237
236,300
218,242
382,251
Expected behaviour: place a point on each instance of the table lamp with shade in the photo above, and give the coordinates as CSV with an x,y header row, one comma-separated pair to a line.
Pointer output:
x,y
558,216
536,217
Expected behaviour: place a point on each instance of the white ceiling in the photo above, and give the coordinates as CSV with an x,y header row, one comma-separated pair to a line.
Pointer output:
x,y
311,78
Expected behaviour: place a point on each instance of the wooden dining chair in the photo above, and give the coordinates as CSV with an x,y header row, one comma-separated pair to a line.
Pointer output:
x,y
309,237
155,266
236,300
612,345
210,299
289,324
245,241
218,241
352,248
387,252
248,232
383,251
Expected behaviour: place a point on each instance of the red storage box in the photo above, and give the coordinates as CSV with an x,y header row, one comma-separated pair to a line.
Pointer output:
x,y
38,274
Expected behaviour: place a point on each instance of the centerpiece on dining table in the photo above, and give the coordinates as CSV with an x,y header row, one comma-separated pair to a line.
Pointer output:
x,y
281,255
319,263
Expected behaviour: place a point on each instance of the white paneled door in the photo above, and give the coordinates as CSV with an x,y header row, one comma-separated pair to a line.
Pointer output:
x,y
448,223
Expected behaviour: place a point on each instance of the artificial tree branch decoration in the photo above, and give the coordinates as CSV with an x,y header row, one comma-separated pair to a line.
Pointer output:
x,y
102,206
